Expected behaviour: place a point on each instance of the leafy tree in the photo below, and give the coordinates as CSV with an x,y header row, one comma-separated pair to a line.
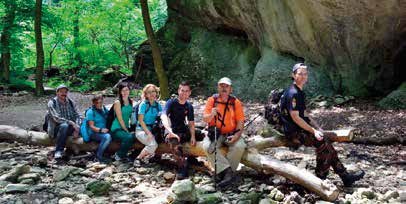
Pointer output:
x,y
156,53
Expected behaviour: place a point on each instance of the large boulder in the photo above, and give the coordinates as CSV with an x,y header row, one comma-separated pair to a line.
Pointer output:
x,y
396,99
353,48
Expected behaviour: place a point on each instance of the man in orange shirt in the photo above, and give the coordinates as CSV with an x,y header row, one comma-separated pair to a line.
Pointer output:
x,y
225,112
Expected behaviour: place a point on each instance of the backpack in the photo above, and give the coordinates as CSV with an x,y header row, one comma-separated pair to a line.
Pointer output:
x,y
85,131
47,115
273,110
111,115
134,114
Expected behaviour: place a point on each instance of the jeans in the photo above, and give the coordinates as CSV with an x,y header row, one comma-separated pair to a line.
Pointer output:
x,y
104,139
62,132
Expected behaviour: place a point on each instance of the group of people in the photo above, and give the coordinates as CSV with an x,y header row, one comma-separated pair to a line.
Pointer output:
x,y
223,113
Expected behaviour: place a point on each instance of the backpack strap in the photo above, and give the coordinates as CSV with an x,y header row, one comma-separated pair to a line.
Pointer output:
x,y
230,101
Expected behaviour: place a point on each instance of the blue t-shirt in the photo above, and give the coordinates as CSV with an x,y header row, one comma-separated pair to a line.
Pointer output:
x,y
97,116
150,112
178,113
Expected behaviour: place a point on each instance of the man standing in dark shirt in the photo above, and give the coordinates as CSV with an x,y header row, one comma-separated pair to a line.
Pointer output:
x,y
301,129
178,130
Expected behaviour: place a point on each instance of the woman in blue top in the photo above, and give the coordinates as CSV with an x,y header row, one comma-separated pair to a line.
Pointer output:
x,y
148,112
96,117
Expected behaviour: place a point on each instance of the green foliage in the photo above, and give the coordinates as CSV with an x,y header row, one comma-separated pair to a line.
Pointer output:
x,y
109,33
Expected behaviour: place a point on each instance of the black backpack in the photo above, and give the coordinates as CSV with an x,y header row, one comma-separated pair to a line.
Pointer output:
x,y
273,110
46,118
112,115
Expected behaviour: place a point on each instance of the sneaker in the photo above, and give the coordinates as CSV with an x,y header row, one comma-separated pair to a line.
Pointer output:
x,y
58,155
117,158
349,179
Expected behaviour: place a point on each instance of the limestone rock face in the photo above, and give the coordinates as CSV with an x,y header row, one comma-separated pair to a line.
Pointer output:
x,y
353,47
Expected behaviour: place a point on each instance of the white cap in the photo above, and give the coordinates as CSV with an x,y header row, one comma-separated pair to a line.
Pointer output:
x,y
225,80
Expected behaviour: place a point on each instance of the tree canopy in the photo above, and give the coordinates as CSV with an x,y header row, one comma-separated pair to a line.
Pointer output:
x,y
81,38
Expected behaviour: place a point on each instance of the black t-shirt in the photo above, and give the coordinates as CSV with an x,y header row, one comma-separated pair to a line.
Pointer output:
x,y
293,99
177,114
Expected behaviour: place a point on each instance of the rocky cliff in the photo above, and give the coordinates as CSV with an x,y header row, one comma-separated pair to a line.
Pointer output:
x,y
353,47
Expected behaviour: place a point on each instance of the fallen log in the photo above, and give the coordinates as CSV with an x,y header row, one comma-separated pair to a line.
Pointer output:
x,y
251,158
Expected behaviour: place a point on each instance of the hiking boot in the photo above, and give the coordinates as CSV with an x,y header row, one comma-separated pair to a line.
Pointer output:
x,y
229,178
182,174
58,155
349,179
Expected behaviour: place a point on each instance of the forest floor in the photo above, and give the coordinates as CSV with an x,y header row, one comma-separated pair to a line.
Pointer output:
x,y
385,178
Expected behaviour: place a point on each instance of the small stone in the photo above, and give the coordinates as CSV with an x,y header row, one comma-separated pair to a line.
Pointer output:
x,y
276,195
339,100
390,194
33,176
65,201
82,202
98,187
169,176
210,198
82,196
99,166
142,170
184,190
207,189
87,173
28,181
197,179
265,201
122,198
252,197
323,202
13,175
366,193
62,174
279,196
107,172
65,193
16,188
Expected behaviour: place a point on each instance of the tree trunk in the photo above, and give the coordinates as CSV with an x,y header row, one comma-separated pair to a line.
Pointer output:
x,y
156,53
39,73
76,40
8,24
251,158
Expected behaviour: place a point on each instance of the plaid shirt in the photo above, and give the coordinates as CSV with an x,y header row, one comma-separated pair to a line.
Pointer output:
x,y
61,113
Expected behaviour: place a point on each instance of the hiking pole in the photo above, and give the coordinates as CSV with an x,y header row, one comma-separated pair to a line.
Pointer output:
x,y
215,152
249,122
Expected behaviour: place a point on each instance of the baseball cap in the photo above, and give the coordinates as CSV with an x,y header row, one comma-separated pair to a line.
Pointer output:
x,y
62,86
225,80
298,65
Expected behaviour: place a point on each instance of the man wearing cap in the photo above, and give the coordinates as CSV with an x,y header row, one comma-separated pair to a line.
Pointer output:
x,y
224,113
63,119
299,128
